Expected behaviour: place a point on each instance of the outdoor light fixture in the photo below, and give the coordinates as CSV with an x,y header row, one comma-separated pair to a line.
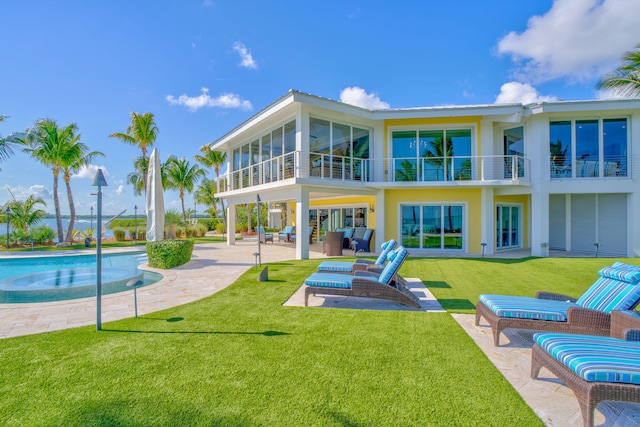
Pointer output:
x,y
92,217
99,181
135,225
371,209
8,212
259,258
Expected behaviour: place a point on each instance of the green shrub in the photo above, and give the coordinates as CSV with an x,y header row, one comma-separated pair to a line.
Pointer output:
x,y
43,234
169,253
128,223
210,223
220,228
201,230
118,234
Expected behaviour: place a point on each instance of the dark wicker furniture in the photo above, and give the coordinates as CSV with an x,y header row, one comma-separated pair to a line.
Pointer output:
x,y
332,245
624,325
579,320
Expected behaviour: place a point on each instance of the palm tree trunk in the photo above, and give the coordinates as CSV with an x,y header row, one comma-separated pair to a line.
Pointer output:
x,y
184,214
56,204
72,210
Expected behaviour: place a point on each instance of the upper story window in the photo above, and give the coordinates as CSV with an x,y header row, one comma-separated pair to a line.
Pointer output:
x,y
588,148
338,150
431,155
279,141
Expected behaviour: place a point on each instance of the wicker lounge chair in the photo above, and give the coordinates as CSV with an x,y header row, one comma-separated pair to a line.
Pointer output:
x,y
364,284
264,236
346,267
595,368
618,288
285,235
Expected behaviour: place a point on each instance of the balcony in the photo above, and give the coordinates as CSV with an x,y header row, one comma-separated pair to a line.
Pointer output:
x,y
334,169
613,167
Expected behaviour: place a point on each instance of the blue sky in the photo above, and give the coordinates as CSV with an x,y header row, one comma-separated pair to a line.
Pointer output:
x,y
204,66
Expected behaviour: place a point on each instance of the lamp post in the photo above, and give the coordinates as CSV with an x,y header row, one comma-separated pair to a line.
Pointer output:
x,y
92,217
135,224
8,212
99,181
258,220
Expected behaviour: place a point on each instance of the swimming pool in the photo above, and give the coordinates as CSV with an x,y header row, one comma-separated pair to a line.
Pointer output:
x,y
56,278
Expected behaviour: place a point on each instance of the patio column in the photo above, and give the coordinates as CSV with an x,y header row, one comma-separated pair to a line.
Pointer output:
x,y
302,223
540,224
487,225
231,224
379,234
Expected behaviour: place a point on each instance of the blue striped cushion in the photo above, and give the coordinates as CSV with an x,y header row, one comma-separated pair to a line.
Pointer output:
x,y
594,358
386,248
343,266
608,294
329,280
527,307
393,266
629,273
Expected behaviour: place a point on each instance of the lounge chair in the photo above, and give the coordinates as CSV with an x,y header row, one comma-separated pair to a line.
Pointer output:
x,y
285,235
364,284
618,288
360,264
264,236
595,368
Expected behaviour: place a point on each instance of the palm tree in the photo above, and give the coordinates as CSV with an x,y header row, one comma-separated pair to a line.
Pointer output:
x,y
24,214
73,157
206,195
46,142
182,176
142,132
624,80
7,144
141,169
212,159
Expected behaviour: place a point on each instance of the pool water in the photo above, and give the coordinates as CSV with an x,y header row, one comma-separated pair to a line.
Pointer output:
x,y
55,278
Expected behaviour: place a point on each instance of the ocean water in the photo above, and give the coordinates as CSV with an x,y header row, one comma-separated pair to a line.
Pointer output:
x,y
79,224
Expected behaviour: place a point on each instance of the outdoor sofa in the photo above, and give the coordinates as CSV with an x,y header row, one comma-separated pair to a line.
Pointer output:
x,y
364,284
595,368
617,288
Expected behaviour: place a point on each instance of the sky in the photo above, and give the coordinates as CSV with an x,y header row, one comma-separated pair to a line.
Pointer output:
x,y
204,66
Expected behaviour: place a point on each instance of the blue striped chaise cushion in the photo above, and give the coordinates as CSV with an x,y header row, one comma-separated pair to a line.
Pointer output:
x,y
395,261
594,358
616,289
343,266
527,307
386,248
329,280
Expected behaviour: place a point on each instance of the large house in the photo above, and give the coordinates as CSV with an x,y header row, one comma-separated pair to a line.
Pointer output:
x,y
450,179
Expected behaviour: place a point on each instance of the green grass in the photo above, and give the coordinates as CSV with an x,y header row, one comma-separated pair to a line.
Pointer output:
x,y
239,358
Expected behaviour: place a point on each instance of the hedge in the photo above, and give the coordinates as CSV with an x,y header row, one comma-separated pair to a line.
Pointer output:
x,y
169,253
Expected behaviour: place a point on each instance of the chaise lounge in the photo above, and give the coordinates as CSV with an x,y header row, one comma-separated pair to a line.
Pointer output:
x,y
618,288
364,284
346,267
595,368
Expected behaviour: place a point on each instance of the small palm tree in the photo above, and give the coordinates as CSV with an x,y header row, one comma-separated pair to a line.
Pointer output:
x,y
182,176
624,80
25,214
206,195
142,132
213,159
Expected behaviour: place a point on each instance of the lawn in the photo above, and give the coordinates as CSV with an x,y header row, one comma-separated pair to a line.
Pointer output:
x,y
239,358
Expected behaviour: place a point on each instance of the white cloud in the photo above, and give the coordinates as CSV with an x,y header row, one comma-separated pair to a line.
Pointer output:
x,y
521,93
118,191
89,172
578,39
194,103
360,98
246,60
22,193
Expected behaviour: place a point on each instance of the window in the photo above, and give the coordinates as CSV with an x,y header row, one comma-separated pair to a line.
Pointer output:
x,y
600,147
438,227
431,155
514,152
338,150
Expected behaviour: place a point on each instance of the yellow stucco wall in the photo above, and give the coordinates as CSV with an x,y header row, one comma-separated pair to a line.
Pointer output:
x,y
348,202
470,197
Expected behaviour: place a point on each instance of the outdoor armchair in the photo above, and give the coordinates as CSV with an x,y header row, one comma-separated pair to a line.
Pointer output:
x,y
595,368
364,284
362,243
264,236
285,235
618,288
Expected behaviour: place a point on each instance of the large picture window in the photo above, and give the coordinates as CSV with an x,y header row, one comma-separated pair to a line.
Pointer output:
x,y
431,155
338,150
589,148
436,227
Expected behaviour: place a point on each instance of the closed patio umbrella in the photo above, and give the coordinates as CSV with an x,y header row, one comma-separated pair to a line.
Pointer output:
x,y
155,200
